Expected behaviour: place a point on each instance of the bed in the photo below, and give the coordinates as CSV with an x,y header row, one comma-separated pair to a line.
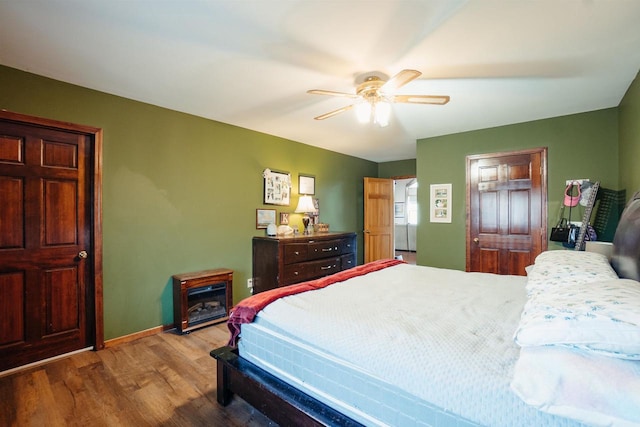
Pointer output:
x,y
392,344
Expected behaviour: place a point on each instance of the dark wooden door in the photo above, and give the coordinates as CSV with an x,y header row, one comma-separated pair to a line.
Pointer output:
x,y
45,243
506,210
378,219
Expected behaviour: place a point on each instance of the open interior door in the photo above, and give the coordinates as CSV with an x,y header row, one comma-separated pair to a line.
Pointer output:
x,y
378,219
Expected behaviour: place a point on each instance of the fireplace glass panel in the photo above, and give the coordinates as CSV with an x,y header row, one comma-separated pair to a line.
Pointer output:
x,y
206,303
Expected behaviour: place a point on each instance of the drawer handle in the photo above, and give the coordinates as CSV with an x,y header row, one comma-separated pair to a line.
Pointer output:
x,y
327,249
328,267
295,273
297,253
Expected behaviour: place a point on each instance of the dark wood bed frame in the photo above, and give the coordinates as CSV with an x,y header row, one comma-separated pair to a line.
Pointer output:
x,y
276,399
288,406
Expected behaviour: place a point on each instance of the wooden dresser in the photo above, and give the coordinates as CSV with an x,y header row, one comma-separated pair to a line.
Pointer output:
x,y
282,261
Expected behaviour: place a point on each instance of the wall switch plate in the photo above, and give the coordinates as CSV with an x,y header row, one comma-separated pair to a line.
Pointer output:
x,y
249,283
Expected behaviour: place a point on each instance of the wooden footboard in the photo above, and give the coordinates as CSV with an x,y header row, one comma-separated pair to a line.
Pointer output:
x,y
279,401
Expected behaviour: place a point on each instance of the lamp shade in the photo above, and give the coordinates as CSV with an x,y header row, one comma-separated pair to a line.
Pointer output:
x,y
305,205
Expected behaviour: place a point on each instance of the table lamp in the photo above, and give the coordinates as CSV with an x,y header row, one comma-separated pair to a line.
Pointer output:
x,y
305,206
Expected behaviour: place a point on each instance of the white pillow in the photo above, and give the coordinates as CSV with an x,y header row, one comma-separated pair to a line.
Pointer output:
x,y
556,268
568,257
599,316
593,389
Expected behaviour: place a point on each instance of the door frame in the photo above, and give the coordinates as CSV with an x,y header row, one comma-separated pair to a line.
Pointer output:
x,y
94,136
543,208
396,178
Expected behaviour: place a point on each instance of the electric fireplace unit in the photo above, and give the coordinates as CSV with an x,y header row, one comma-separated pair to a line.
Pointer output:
x,y
201,298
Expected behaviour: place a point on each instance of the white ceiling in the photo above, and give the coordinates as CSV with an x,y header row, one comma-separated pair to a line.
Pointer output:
x,y
250,62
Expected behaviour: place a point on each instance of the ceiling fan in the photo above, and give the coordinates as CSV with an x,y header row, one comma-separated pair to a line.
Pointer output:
x,y
375,95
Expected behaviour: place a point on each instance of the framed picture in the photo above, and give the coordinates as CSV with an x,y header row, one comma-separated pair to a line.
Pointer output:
x,y
440,203
399,210
284,218
277,188
264,217
306,184
315,217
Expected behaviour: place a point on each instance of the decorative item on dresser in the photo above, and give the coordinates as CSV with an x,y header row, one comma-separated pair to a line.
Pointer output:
x,y
202,298
306,207
281,261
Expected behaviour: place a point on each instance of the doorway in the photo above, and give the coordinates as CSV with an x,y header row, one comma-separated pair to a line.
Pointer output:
x,y
378,219
406,218
50,239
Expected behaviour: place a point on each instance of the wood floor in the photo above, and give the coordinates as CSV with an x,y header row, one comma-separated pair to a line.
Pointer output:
x,y
408,256
160,380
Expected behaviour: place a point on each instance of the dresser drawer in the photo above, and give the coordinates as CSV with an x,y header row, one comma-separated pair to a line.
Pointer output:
x,y
348,246
294,273
324,267
348,261
324,249
295,252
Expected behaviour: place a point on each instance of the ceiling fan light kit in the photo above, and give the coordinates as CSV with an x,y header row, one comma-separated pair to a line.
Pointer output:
x,y
375,96
377,111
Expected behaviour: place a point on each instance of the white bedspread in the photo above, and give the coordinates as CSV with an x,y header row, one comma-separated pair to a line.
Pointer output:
x,y
442,335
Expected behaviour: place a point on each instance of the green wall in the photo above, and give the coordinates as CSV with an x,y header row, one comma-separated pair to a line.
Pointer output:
x,y
180,192
579,146
397,168
630,139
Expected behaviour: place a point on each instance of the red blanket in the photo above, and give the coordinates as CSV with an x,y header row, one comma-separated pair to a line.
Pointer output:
x,y
247,309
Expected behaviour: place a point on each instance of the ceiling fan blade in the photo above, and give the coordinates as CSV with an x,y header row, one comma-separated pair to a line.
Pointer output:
x,y
399,80
334,112
422,99
331,93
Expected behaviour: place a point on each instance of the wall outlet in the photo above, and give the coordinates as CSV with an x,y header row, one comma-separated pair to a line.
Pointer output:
x,y
250,283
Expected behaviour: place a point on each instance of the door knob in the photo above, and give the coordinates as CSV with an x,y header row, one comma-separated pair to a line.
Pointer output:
x,y
82,254
476,240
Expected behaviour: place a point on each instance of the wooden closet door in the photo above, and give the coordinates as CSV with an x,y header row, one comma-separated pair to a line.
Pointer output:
x,y
45,240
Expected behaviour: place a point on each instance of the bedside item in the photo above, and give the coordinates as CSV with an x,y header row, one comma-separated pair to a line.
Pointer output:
x,y
284,218
306,207
284,230
271,229
560,233
571,199
586,231
321,228
281,261
201,298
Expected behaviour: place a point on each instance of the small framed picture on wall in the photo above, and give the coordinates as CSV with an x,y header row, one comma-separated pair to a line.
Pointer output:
x,y
284,218
264,217
440,203
306,184
277,188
